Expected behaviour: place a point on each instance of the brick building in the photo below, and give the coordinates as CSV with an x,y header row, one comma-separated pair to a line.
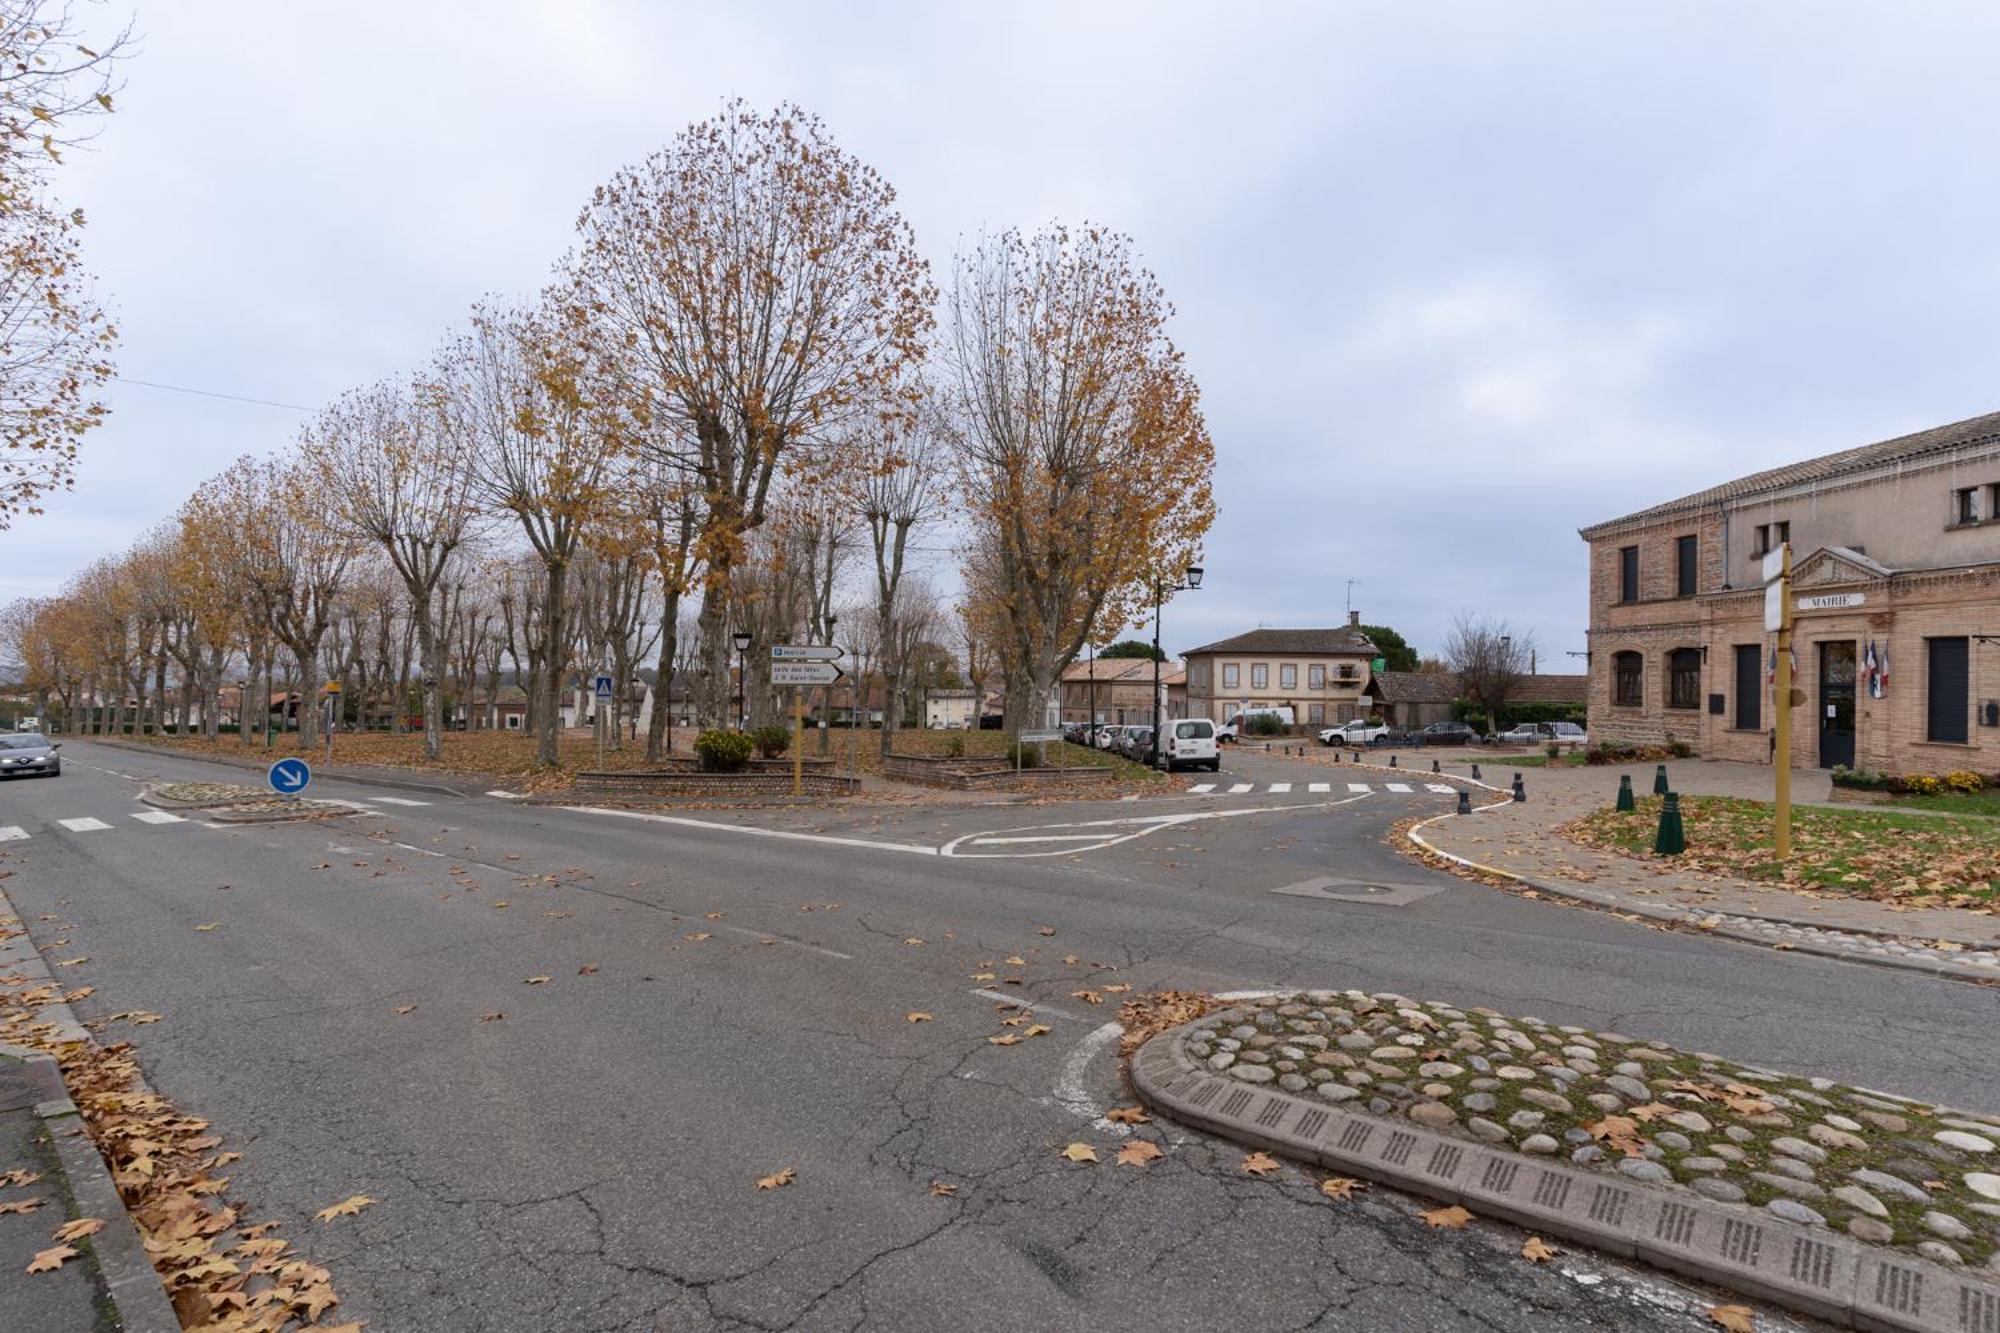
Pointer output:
x,y
1320,674
1896,562
1121,689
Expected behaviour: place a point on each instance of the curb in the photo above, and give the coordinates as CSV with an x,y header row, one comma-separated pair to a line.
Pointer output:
x,y
337,772
1816,1272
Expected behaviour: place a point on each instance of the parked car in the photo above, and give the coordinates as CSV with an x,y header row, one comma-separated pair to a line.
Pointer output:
x,y
1190,743
1108,737
1541,733
1446,733
1568,733
1135,743
1358,732
29,755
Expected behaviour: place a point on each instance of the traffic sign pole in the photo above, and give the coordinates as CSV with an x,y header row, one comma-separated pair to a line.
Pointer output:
x,y
1782,832
798,739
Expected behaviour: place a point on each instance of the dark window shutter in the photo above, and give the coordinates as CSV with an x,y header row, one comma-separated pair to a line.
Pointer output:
x,y
1949,686
1684,554
1628,574
1749,686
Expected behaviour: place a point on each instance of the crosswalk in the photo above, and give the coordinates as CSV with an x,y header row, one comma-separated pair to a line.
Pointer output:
x,y
1313,788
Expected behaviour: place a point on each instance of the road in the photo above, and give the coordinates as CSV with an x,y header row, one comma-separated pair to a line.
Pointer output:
x,y
727,997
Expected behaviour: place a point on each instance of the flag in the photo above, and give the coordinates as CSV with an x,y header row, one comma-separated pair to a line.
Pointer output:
x,y
1868,672
1882,675
1771,675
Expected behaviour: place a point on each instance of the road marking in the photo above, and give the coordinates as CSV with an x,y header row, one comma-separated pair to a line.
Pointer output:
x,y
752,830
781,939
1202,788
1120,830
1069,1087
1319,788
1403,787
1240,788
1444,787
83,825
13,833
1041,837
157,817
1023,1003
1360,787
394,800
1280,788
508,795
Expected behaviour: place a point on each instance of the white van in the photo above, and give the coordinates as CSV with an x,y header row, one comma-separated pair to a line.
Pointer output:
x,y
1232,729
1189,742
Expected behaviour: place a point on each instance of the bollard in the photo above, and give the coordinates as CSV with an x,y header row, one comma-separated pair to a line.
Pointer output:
x,y
1671,840
1434,767
1625,792
1475,772
1336,756
1357,756
1520,787
1392,761
1660,780
1464,801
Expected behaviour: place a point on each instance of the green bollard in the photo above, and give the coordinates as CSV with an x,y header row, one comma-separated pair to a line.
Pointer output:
x,y
1671,840
1625,792
1660,780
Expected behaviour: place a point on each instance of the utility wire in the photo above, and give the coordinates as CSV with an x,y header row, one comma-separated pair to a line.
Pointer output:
x,y
210,393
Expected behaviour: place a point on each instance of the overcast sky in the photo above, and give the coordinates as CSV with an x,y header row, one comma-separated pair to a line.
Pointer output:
x,y
1455,280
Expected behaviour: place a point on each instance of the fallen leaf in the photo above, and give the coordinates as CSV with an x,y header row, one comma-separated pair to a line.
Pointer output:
x,y
777,1179
1119,989
1014,961
348,1207
538,981
943,1190
1005,1039
19,1206
1080,1152
1038,1029
502,903
1139,1152
916,1016
322,866
1087,996
985,976
713,916
1340,1187
1127,1115
587,970
406,1008
1536,1250
1735,1318
209,925
492,1017
1260,1164
74,962
47,1261
81,1227
696,936
1045,930
912,939
1451,1218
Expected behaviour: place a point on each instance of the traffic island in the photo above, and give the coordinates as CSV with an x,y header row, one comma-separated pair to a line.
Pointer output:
x,y
1850,1204
228,803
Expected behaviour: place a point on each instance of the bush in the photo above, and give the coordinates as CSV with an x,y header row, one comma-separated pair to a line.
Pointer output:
x,y
1552,750
1264,724
772,740
1024,756
1859,779
1964,780
1619,752
723,751
954,745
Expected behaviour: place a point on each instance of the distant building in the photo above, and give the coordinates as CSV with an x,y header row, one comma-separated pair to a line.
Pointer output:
x,y
1119,690
1412,700
951,708
1896,561
1320,674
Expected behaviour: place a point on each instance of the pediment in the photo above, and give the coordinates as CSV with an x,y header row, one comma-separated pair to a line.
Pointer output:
x,y
1836,565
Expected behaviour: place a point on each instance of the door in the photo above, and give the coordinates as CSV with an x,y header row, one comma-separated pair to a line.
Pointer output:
x,y
1836,703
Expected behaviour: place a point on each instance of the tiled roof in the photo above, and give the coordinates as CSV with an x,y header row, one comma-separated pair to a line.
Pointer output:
x,y
1303,642
1552,689
1110,670
1415,687
1904,448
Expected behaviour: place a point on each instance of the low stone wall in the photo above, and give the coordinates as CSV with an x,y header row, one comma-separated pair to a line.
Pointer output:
x,y
982,774
690,784
685,764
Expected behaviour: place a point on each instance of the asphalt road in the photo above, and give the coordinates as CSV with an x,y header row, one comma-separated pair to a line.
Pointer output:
x,y
588,1161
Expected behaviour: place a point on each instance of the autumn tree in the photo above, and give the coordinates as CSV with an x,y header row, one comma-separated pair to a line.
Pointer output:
x,y
299,555
899,488
1490,660
1077,432
755,287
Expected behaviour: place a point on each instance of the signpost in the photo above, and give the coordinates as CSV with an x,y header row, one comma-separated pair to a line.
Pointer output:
x,y
332,707
600,687
1778,617
802,665
289,777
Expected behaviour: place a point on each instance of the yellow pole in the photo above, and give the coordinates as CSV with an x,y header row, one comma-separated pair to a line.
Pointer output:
x,y
798,739
1783,701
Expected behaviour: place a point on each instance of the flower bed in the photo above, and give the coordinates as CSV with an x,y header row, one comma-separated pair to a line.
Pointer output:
x,y
1887,1170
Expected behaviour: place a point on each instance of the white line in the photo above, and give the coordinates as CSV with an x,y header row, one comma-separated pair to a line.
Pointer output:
x,y
1201,788
1044,837
394,800
83,825
508,795
1360,787
1140,826
781,939
1319,788
1069,1087
1444,787
753,830
157,817
13,833
1280,788
1024,1003
514,871
1403,787
1240,788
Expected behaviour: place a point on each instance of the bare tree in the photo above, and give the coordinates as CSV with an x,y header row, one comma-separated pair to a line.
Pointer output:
x,y
1490,660
898,492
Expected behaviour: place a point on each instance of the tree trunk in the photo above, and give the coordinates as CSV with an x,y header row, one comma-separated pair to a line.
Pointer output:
x,y
663,685
715,652
427,648
547,751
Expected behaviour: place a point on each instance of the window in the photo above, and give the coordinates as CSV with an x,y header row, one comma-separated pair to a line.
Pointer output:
x,y
1288,676
1684,678
1628,573
1947,690
1230,677
1781,532
1684,564
1760,544
1965,506
1316,676
1749,686
1260,675
1628,671
1315,714
1348,674
513,721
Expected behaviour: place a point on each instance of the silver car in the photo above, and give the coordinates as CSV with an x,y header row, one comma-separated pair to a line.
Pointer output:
x,y
29,756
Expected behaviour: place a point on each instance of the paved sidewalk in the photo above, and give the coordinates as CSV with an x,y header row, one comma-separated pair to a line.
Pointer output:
x,y
1519,837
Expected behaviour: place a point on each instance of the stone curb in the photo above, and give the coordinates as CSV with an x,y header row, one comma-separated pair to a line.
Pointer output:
x,y
130,1280
344,774
1815,1272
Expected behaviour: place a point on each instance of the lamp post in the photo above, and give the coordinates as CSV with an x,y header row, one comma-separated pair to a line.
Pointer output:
x,y
1160,591
742,638
1092,732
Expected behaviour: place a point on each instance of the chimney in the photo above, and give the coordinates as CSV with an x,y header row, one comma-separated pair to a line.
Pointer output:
x,y
1354,620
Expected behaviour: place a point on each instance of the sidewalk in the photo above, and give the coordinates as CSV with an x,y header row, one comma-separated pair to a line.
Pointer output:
x,y
1519,837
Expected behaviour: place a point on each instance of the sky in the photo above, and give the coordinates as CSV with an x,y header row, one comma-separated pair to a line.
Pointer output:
x,y
1455,280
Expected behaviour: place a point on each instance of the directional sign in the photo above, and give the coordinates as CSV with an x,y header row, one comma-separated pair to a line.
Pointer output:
x,y
289,777
805,652
805,673
1044,734
603,684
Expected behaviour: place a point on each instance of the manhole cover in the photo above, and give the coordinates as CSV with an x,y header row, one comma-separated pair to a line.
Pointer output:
x,y
1333,889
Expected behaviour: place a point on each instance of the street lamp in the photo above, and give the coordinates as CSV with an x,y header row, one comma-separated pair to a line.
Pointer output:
x,y
1160,591
742,672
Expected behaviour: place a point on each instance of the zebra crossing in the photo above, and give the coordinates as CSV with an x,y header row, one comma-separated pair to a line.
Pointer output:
x,y
87,824
1315,788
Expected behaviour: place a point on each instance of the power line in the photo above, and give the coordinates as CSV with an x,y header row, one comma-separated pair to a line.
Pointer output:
x,y
210,393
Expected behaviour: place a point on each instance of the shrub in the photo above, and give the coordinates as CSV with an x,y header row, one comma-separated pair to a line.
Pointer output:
x,y
1860,779
1552,750
1916,784
1680,749
772,740
954,745
1964,780
723,751
1264,724
1024,756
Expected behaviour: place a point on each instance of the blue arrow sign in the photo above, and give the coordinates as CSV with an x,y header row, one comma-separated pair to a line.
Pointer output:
x,y
289,777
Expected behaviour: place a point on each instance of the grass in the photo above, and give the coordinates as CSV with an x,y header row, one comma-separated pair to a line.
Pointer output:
x,y
1984,803
1568,759
1888,855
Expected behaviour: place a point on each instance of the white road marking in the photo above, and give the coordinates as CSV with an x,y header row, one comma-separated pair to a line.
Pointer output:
x,y
83,825
157,817
13,833
1360,787
1121,830
1444,787
394,800
1240,788
1280,788
508,795
1319,788
1069,1087
1202,788
1403,787
1023,1003
781,939
1042,837
752,830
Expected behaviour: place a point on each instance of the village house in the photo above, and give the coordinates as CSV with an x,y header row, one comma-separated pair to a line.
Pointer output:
x,y
1119,690
1896,585
1320,674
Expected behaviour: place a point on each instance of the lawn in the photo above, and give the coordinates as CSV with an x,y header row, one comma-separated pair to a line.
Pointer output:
x,y
1567,759
1891,856
1985,803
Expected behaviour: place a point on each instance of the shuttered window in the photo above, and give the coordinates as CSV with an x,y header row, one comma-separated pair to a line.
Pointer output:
x,y
1684,565
1627,678
1628,574
1948,689
1749,686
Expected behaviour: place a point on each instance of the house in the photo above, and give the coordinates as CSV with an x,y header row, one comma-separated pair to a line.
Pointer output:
x,y
951,708
1320,674
1412,700
1896,595
506,711
1115,690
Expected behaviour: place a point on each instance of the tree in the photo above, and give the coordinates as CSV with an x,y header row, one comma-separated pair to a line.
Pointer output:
x,y
1132,648
1077,431
1397,655
898,493
1490,660
755,286
300,554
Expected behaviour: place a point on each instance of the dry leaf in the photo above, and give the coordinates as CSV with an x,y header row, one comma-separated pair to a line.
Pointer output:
x,y
713,916
1017,961
696,936
1735,1318
1119,989
348,1207
1038,1029
492,1017
1451,1218
1005,1039
47,1261
1045,930
1260,1164
209,925
1536,1250
81,1227
537,981
406,1008
1087,996
916,1016
587,970
1080,1152
912,939
1340,1187
20,1206
777,1179
943,1190
1139,1152
1127,1115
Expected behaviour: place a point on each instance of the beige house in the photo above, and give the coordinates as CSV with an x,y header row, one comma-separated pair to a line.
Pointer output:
x,y
1896,562
1118,690
954,709
1320,674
